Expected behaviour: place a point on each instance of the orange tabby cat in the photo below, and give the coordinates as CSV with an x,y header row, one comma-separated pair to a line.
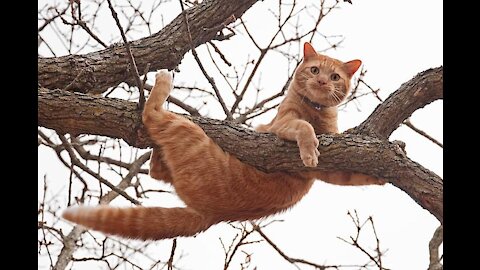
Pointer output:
x,y
215,185
310,106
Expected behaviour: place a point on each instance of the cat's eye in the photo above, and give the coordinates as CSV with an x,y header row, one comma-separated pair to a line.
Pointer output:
x,y
334,77
314,70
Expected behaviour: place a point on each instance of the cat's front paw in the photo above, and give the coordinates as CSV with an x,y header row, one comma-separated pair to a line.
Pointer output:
x,y
163,75
309,152
309,160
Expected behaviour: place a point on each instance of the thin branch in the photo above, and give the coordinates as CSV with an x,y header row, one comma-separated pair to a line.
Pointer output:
x,y
409,124
222,56
127,180
233,248
172,254
84,26
192,111
200,65
379,253
69,243
133,65
288,258
102,180
245,116
42,221
49,20
100,158
355,240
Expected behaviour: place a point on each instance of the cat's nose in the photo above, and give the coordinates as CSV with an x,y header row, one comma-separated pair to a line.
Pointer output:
x,y
321,81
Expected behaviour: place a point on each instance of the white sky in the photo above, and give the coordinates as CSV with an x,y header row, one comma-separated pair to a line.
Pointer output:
x,y
395,40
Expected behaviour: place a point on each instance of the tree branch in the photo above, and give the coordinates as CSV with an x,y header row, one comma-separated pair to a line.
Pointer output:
x,y
165,49
352,152
424,88
69,242
409,124
69,247
433,247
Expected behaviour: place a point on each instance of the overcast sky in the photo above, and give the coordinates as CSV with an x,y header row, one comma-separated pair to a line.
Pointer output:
x,y
395,40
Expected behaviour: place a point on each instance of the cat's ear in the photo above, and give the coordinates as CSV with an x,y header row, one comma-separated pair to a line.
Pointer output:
x,y
352,66
308,51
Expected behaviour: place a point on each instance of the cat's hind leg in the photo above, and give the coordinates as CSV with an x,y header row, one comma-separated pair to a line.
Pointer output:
x,y
156,120
158,96
158,169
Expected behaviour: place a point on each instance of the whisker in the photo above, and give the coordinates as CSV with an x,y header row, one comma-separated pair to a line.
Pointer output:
x,y
335,96
338,94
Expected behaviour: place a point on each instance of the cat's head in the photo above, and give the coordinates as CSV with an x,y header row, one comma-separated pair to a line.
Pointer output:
x,y
322,79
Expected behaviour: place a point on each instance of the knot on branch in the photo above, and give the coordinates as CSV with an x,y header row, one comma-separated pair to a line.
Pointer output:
x,y
400,146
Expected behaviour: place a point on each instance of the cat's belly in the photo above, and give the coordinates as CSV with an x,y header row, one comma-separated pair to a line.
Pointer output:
x,y
241,197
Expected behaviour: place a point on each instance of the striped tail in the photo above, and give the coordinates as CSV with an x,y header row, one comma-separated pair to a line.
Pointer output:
x,y
145,223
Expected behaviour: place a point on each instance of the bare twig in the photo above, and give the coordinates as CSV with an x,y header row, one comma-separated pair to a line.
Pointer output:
x,y
49,20
290,259
69,243
102,180
172,254
200,65
222,56
192,111
234,247
409,124
133,65
354,241
85,27
100,158
127,180
42,222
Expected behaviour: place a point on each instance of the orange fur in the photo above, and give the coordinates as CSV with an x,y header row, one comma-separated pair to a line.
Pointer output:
x,y
215,185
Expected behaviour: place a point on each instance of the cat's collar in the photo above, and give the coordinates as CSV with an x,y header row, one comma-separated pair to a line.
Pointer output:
x,y
314,105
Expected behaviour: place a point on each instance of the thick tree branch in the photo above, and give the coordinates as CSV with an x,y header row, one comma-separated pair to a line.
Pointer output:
x,y
165,49
424,88
78,113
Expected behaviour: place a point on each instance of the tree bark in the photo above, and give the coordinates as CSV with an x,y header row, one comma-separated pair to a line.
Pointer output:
x,y
97,71
351,151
